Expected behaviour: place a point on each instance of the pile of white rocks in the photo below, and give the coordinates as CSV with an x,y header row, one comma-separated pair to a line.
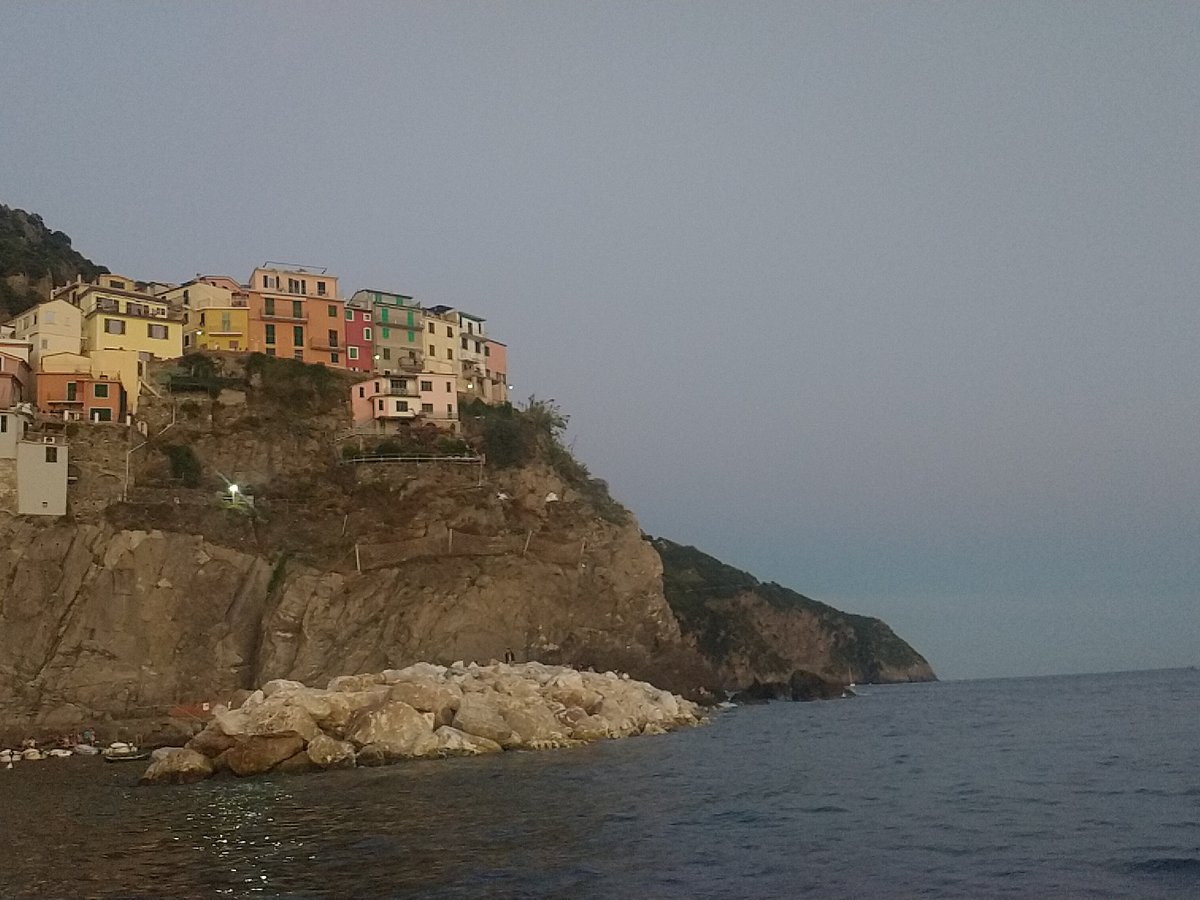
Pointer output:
x,y
420,712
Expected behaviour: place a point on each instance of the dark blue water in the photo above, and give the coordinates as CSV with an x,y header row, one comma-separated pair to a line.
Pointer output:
x,y
1071,786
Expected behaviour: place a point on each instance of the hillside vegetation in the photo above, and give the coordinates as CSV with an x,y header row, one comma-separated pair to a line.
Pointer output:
x,y
734,617
33,259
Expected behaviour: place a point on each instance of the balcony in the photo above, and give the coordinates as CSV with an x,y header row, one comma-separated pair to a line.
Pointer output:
x,y
286,316
391,390
324,343
135,310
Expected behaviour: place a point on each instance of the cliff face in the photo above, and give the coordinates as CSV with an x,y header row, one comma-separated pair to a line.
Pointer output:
x,y
750,630
158,594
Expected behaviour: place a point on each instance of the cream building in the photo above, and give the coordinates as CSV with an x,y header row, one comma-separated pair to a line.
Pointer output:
x,y
53,326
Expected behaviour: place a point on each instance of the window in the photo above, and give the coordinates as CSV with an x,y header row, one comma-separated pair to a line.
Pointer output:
x,y
449,353
201,318
268,281
45,344
3,424
119,285
432,350
366,334
321,293
114,326
159,332
102,414
412,337
401,406
233,345
297,309
387,333
470,328
449,332
367,316
333,338
298,336
383,315
487,351
398,385
477,347
427,408
270,351
100,390
294,286
332,309
270,336
431,328
226,322
334,359
362,392
449,387
464,343
349,315
352,353
450,409
387,352
427,385
51,454
269,306
71,388
380,405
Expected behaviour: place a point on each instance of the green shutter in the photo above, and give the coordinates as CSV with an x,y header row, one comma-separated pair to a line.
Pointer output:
x,y
387,332
383,314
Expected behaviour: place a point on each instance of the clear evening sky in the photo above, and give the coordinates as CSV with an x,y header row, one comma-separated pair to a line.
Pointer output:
x,y
893,303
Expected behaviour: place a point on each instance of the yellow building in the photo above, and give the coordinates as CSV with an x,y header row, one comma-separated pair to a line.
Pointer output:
x,y
216,313
441,341
117,317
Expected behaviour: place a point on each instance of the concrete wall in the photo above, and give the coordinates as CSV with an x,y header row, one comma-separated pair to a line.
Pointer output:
x,y
41,479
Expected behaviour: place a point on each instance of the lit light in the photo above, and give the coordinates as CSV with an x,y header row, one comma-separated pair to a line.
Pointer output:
x,y
377,356
233,489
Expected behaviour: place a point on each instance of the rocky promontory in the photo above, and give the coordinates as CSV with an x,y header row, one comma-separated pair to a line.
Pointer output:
x,y
420,712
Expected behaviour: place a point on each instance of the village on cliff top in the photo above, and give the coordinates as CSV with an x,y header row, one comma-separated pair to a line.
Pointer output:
x,y
83,354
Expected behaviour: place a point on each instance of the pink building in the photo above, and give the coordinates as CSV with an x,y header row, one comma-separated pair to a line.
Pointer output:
x,y
16,378
383,402
495,356
360,347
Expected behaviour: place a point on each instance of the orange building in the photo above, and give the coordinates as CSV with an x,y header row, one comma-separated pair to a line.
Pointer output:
x,y
68,387
296,313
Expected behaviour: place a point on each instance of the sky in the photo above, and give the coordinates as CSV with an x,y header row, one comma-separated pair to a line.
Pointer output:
x,y
892,303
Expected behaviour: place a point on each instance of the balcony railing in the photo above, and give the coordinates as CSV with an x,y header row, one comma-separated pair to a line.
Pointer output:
x,y
137,311
303,317
324,343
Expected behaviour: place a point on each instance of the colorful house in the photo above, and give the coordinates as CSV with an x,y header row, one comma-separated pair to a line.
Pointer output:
x,y
495,371
385,400
359,332
394,330
16,377
296,312
53,326
74,387
216,314
115,317
441,340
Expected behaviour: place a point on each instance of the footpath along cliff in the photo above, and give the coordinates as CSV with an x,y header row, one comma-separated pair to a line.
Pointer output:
x,y
161,591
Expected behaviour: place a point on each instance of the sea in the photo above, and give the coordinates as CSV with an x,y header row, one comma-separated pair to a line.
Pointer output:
x,y
1074,786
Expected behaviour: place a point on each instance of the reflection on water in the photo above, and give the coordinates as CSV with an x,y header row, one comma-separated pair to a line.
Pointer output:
x,y
1034,787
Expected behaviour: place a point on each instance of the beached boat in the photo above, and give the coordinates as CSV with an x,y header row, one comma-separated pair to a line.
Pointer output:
x,y
119,751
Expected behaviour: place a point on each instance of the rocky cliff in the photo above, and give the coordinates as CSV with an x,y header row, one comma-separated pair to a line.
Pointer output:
x,y
755,631
158,591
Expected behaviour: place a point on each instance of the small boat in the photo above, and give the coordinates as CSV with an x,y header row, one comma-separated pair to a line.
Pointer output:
x,y
122,752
